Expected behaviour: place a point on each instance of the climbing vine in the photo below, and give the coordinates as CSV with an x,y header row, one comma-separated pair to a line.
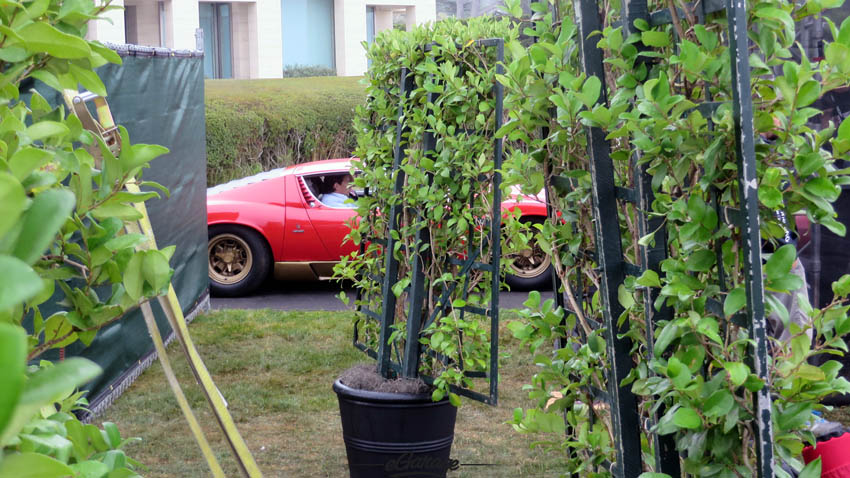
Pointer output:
x,y
691,372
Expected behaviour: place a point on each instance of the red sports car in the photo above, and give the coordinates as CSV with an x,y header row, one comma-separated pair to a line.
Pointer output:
x,y
280,221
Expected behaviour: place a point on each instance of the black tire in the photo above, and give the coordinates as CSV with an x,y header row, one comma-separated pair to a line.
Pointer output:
x,y
238,260
533,269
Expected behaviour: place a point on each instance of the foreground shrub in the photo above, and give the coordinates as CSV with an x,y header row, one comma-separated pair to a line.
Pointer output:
x,y
257,125
63,213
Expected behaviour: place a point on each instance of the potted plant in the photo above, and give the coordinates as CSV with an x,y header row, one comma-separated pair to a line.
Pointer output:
x,y
428,272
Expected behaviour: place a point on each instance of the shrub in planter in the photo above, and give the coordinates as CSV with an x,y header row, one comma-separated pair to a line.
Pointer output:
x,y
427,156
692,379
62,216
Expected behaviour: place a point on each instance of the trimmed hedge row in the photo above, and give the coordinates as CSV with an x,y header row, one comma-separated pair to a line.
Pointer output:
x,y
257,125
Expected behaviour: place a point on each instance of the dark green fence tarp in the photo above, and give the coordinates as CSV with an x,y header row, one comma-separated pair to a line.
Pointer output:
x,y
160,100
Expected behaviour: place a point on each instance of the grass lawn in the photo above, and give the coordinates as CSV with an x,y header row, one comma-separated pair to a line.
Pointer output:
x,y
276,369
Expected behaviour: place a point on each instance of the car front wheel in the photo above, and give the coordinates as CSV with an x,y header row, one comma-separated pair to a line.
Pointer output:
x,y
238,258
531,268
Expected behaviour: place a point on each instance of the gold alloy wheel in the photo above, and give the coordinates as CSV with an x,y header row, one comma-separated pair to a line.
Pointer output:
x,y
529,263
230,258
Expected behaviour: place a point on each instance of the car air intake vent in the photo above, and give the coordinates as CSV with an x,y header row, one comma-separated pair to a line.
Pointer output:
x,y
305,191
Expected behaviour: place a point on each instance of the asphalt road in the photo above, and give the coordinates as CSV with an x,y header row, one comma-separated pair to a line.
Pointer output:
x,y
317,295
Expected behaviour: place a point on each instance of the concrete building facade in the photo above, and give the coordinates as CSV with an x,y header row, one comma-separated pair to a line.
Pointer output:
x,y
259,38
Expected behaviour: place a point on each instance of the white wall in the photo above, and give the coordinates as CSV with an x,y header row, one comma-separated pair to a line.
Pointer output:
x,y
350,28
104,31
269,47
349,32
183,23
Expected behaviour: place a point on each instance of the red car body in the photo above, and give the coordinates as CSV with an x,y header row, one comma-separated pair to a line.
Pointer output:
x,y
303,237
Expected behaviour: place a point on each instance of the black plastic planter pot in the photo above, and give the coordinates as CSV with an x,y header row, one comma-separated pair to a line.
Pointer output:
x,y
394,435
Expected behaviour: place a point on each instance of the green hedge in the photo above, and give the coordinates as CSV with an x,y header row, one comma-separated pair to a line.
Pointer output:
x,y
257,125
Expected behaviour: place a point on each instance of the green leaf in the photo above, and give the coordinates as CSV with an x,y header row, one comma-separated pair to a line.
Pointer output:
x,y
647,240
139,154
812,469
41,222
841,287
808,94
625,297
794,416
133,280
125,241
772,13
770,196
687,418
655,39
14,200
700,260
107,53
780,262
112,433
89,79
454,399
33,465
155,269
678,373
18,283
37,8
590,91
669,332
738,372
807,164
117,210
46,129
52,383
810,372
13,359
735,301
822,187
27,160
42,38
13,54
718,404
90,469
649,278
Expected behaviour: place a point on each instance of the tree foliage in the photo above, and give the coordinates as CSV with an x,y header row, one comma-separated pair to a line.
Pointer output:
x,y
62,239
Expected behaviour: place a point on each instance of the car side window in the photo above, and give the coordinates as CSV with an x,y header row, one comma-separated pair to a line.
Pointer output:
x,y
332,190
314,184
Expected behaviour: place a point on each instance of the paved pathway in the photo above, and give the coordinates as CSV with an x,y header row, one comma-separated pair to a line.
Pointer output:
x,y
318,295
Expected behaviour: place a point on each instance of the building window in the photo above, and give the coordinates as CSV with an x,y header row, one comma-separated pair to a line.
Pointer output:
x,y
215,22
308,33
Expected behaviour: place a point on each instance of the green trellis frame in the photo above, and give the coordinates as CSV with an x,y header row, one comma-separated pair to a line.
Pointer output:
x,y
609,255
416,322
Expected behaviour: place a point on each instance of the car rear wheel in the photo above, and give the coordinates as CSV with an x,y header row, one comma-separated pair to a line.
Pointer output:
x,y
238,259
530,269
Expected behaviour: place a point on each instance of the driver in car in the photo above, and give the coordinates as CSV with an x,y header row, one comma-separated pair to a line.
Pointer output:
x,y
340,191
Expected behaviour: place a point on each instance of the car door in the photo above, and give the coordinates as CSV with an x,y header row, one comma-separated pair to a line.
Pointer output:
x,y
301,239
331,223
